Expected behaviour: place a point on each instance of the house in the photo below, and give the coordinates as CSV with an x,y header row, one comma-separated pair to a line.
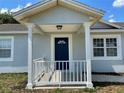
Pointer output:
x,y
59,43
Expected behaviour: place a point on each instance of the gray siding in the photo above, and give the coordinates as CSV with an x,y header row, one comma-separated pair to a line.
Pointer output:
x,y
20,52
78,41
42,48
58,15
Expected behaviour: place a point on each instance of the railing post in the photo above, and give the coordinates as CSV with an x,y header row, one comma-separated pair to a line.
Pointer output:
x,y
88,53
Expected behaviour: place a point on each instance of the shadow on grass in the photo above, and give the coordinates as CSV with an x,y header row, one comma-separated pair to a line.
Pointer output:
x,y
105,84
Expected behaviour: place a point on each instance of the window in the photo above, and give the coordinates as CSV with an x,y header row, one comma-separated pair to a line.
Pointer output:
x,y
6,48
106,47
111,47
98,45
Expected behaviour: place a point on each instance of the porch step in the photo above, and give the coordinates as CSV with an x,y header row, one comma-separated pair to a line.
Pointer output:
x,y
45,77
64,87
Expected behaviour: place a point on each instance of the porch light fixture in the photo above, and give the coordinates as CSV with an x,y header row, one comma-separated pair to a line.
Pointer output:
x,y
59,27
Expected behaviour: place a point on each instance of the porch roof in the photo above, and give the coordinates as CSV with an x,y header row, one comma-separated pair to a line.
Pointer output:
x,y
20,27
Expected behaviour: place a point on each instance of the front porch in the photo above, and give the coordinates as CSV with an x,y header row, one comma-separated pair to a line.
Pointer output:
x,y
56,71
58,20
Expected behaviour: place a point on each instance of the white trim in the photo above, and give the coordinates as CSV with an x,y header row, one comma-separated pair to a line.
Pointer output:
x,y
12,48
32,7
119,48
13,32
106,30
82,6
18,32
66,87
53,47
92,31
30,52
22,13
13,69
88,52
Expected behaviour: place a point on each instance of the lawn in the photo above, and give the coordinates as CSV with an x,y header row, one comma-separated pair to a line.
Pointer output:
x,y
16,83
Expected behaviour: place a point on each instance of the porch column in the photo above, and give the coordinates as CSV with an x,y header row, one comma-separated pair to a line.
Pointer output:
x,y
88,53
30,76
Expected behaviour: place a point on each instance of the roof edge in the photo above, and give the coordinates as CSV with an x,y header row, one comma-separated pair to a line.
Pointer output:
x,y
87,6
30,7
111,24
18,14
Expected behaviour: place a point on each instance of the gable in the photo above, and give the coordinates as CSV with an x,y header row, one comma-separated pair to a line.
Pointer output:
x,y
58,14
102,25
44,5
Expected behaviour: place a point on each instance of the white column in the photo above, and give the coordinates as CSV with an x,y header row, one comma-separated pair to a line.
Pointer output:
x,y
30,65
88,52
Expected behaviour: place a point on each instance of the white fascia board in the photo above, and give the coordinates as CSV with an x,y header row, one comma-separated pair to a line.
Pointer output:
x,y
85,7
107,30
13,32
34,7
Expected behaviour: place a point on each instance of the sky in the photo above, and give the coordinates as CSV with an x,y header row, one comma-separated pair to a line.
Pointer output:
x,y
114,9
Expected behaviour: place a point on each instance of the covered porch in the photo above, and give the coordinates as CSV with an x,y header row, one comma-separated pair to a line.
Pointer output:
x,y
54,64
55,71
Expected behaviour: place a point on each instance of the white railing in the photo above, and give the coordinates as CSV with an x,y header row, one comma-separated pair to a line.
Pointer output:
x,y
38,68
59,72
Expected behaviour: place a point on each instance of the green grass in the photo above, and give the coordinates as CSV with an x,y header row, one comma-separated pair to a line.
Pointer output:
x,y
58,90
16,83
10,82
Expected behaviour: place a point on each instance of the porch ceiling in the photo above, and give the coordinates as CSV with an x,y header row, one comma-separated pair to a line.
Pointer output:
x,y
65,28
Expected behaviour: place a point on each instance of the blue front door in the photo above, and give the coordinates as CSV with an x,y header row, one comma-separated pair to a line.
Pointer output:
x,y
62,53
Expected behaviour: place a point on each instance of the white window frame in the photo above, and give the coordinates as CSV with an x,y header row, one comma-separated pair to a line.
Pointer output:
x,y
105,57
12,48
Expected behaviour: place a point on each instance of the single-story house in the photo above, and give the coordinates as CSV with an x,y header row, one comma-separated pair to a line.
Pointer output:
x,y
60,43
